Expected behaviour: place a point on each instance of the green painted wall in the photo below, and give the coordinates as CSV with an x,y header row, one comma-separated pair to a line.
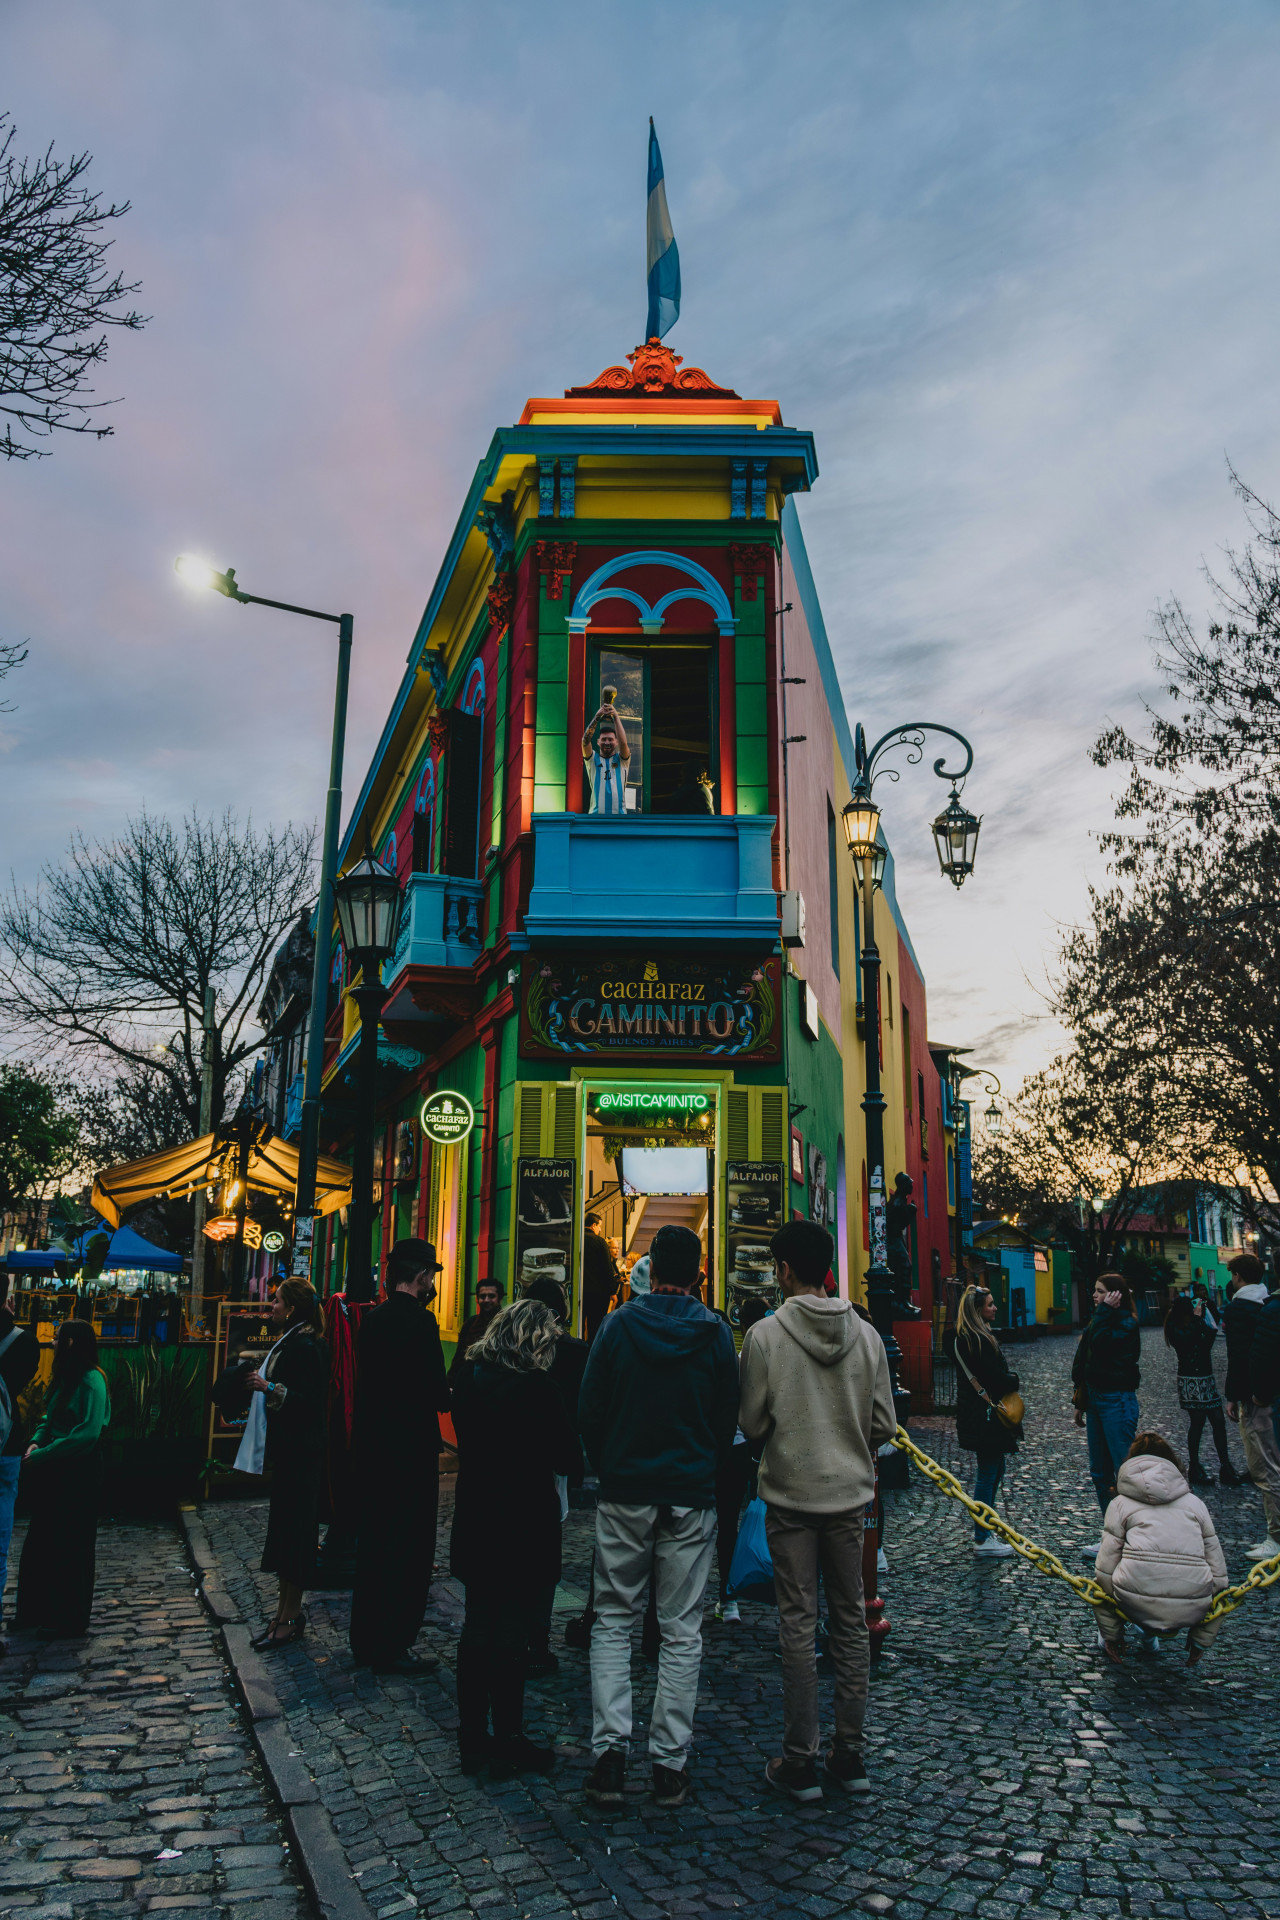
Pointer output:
x,y
751,699
552,711
815,1076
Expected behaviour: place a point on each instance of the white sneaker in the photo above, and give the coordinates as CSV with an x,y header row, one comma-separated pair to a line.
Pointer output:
x,y
729,1611
1148,1642
1092,1552
992,1549
1265,1550
882,1560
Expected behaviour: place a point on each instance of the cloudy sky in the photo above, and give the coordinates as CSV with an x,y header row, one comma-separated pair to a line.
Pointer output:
x,y
1014,264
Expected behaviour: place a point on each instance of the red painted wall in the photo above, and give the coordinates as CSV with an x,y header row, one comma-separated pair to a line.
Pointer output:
x,y
929,1175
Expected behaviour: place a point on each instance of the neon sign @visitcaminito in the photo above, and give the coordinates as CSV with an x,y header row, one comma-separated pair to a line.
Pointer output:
x,y
647,1100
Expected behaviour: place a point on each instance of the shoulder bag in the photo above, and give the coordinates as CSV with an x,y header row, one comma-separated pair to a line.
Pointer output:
x,y
1010,1410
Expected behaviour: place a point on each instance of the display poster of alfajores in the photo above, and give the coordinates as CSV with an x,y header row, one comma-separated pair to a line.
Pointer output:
x,y
727,1009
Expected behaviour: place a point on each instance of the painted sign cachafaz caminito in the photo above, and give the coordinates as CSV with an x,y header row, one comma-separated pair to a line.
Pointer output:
x,y
651,1009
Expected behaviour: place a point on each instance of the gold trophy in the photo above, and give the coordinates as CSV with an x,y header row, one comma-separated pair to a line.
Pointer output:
x,y
608,695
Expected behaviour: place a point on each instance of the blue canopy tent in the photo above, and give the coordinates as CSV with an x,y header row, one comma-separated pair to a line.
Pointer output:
x,y
129,1252
36,1260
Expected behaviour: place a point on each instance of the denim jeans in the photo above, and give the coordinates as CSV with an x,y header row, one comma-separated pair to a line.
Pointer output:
x,y
1111,1420
985,1484
10,1465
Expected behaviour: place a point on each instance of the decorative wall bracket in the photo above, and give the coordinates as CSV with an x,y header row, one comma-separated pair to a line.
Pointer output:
x,y
555,560
749,563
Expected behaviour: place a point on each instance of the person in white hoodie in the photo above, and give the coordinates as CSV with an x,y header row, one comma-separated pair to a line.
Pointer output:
x,y
1160,1559
815,1388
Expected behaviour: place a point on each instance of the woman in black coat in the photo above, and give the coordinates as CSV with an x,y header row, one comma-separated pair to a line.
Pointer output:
x,y
1191,1332
981,1370
1105,1376
293,1383
514,1435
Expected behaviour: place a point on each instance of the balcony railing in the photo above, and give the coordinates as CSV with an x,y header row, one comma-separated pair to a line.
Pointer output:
x,y
653,876
439,924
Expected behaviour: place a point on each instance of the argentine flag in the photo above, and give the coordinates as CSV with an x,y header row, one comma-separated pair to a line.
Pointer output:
x,y
664,256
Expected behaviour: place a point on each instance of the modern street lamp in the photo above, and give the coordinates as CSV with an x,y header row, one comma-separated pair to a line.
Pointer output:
x,y
368,901
198,573
955,835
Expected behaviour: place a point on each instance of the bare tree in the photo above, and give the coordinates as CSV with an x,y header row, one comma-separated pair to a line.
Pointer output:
x,y
1086,1141
1214,761
1185,942
107,962
11,656
57,297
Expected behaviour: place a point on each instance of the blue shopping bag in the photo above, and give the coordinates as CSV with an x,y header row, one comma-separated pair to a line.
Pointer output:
x,y
751,1574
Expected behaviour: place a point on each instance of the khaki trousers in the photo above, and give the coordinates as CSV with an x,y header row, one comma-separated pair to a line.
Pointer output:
x,y
673,1547
1262,1458
800,1544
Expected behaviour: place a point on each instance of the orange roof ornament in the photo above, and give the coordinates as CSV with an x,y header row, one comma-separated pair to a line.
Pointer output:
x,y
654,370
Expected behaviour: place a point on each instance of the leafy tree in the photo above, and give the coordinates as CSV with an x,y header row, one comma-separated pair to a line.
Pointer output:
x,y
38,1134
57,297
106,964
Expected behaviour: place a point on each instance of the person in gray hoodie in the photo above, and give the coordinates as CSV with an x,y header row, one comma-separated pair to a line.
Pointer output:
x,y
657,1409
815,1388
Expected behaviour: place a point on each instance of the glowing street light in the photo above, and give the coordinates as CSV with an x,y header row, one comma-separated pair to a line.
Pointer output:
x,y
202,575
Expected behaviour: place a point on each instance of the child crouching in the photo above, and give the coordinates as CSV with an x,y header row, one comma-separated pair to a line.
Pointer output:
x,y
1160,1557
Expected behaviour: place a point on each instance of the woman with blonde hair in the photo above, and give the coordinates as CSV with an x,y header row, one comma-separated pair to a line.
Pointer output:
x,y
983,1379
515,1435
285,1438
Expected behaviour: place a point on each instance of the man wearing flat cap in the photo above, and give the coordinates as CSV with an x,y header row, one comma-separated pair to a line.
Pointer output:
x,y
400,1391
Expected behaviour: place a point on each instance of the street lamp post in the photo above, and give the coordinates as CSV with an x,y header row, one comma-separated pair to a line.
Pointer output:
x,y
955,834
198,573
992,1116
368,902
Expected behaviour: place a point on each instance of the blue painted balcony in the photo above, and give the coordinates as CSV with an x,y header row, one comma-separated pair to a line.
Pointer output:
x,y
653,877
429,975
439,924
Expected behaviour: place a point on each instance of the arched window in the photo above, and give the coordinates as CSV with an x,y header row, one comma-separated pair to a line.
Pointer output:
x,y
424,819
464,765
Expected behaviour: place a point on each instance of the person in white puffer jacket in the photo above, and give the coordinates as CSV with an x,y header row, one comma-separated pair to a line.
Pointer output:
x,y
1160,1556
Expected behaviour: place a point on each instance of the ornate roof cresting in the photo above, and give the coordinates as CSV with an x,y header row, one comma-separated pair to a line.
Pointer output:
x,y
657,372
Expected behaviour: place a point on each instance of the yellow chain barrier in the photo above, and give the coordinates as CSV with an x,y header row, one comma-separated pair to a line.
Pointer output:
x,y
1264,1574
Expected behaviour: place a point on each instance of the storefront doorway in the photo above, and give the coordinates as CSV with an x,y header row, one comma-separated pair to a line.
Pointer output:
x,y
650,1161
637,1152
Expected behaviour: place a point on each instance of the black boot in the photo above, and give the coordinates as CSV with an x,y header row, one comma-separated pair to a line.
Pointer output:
x,y
513,1751
473,1685
1228,1477
1198,1477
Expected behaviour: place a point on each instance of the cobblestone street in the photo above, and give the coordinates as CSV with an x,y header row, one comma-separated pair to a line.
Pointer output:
x,y
127,1777
1011,1772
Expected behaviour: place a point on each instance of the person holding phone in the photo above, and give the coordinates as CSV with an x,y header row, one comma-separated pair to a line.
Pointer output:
x,y
1105,1376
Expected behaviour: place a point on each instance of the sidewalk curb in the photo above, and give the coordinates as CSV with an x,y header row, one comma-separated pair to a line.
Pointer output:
x,y
317,1849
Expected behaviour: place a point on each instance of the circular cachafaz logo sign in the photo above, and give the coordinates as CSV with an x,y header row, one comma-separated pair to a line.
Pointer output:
x,y
447,1118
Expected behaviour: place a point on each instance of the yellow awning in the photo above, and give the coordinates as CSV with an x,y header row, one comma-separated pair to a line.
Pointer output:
x,y
273,1168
